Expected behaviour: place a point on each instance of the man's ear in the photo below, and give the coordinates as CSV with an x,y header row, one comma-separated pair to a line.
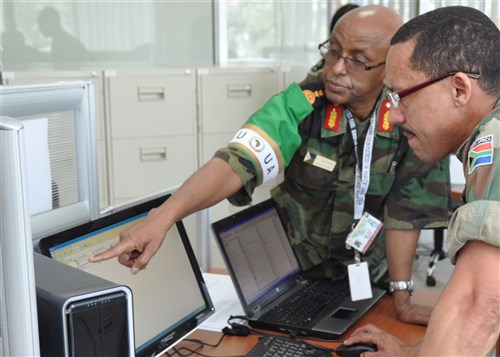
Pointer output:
x,y
462,89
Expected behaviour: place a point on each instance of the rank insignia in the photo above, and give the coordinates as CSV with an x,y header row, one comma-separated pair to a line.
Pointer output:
x,y
383,121
332,117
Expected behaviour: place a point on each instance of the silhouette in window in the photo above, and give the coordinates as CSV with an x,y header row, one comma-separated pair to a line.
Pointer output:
x,y
64,47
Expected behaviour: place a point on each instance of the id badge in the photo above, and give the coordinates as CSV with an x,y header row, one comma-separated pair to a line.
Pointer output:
x,y
363,234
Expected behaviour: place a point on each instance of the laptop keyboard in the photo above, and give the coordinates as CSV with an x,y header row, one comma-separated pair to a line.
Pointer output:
x,y
306,303
281,346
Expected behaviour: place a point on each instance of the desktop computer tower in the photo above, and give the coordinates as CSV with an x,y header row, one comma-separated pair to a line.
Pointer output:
x,y
80,314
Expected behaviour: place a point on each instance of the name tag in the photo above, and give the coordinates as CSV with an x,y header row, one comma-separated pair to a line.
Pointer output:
x,y
320,161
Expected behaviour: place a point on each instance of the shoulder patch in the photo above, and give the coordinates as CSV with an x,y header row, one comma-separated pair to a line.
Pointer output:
x,y
312,95
333,116
480,153
309,96
383,119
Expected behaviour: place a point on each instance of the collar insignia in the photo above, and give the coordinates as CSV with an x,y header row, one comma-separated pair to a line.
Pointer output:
x,y
332,117
383,119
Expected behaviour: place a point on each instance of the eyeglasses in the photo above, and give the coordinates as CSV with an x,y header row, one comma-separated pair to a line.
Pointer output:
x,y
352,64
395,97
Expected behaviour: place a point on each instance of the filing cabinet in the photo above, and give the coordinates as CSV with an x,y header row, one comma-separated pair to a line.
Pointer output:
x,y
227,98
152,139
292,74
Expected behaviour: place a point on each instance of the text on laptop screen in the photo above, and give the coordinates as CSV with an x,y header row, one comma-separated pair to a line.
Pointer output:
x,y
165,294
258,261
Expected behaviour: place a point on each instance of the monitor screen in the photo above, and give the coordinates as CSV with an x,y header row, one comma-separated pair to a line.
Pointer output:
x,y
169,297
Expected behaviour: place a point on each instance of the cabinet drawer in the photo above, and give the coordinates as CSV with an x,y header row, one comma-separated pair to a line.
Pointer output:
x,y
228,98
151,104
142,166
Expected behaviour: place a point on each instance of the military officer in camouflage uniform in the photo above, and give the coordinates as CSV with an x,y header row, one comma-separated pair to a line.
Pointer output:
x,y
448,61
308,132
315,199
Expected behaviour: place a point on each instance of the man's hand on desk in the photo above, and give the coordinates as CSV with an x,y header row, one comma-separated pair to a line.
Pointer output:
x,y
387,344
409,312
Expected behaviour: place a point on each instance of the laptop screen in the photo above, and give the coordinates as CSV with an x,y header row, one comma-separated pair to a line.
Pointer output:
x,y
256,248
169,296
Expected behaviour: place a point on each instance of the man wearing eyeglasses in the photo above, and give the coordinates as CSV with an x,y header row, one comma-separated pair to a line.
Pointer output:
x,y
345,166
449,60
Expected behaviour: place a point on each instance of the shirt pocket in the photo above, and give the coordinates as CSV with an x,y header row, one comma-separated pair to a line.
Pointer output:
x,y
310,176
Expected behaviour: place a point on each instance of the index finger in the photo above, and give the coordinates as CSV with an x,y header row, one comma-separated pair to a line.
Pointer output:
x,y
110,253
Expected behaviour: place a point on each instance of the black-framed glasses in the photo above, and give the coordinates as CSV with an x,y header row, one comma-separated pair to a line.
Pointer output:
x,y
395,97
351,63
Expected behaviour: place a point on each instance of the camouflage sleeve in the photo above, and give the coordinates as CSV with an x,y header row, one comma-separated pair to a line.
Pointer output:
x,y
264,146
479,218
420,197
244,170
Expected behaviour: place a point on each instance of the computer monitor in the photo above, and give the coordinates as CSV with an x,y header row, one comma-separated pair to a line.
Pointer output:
x,y
170,297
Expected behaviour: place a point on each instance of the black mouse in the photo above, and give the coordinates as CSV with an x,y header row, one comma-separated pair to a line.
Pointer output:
x,y
356,349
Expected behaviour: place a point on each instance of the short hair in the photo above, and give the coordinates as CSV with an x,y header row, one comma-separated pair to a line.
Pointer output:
x,y
455,38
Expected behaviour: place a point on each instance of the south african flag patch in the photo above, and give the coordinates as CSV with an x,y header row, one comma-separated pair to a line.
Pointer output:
x,y
481,153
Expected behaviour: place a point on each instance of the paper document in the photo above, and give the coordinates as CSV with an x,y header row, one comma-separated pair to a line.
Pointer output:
x,y
226,302
38,165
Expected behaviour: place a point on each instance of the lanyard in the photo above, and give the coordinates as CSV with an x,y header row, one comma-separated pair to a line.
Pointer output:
x,y
362,173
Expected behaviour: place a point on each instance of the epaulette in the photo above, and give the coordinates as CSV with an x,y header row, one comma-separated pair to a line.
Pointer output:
x,y
315,93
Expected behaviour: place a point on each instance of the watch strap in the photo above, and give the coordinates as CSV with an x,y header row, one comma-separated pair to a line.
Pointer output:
x,y
402,286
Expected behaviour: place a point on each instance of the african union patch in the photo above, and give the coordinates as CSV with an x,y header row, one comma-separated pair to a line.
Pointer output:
x,y
481,152
260,152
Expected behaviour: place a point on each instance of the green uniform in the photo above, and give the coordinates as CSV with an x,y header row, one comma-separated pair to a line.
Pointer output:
x,y
479,217
301,132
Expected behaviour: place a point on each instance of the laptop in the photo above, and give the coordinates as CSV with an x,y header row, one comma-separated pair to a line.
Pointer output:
x,y
170,296
269,281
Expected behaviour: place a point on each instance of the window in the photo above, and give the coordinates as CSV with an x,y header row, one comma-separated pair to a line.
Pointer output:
x,y
75,33
289,31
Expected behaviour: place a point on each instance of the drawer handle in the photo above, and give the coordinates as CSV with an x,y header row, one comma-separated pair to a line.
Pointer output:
x,y
151,93
239,90
153,154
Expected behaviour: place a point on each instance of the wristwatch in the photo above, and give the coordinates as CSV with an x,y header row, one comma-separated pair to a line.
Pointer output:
x,y
401,286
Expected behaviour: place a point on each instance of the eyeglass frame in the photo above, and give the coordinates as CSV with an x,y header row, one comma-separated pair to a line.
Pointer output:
x,y
356,62
395,97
